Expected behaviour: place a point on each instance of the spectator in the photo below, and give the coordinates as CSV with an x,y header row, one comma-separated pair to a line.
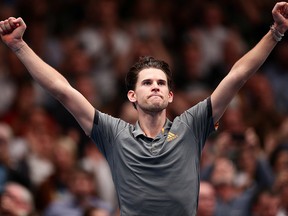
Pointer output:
x,y
207,200
230,201
56,185
265,203
94,162
8,171
105,41
39,133
213,34
82,195
279,159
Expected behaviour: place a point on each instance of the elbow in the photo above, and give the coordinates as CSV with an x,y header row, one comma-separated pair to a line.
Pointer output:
x,y
60,89
239,75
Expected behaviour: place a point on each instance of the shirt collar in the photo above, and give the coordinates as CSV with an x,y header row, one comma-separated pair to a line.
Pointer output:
x,y
138,131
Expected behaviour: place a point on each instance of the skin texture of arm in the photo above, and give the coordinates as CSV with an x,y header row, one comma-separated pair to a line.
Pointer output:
x,y
12,31
245,67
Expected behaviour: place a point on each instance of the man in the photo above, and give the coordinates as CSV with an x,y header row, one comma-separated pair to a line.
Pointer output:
x,y
265,203
16,200
154,164
80,195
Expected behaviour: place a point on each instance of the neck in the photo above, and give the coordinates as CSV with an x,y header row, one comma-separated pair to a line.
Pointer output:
x,y
152,123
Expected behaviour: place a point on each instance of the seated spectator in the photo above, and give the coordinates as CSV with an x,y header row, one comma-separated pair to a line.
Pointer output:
x,y
230,200
94,162
82,195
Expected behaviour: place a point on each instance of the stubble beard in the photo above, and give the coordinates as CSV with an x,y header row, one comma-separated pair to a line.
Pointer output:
x,y
154,107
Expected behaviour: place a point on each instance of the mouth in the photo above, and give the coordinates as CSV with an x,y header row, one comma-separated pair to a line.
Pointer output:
x,y
155,96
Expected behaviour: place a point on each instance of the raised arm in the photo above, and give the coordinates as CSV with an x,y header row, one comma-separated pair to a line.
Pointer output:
x,y
12,31
245,67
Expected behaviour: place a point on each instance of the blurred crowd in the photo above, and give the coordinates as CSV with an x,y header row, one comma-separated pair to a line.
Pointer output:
x,y
48,166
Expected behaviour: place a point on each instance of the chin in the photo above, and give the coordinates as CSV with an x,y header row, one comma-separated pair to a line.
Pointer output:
x,y
156,107
153,107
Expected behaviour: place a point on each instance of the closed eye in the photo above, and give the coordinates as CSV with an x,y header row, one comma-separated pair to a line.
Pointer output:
x,y
162,82
146,82
150,82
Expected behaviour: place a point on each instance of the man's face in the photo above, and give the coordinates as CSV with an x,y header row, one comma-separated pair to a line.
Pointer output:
x,y
81,185
151,93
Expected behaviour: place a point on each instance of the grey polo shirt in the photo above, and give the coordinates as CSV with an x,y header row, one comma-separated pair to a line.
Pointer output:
x,y
157,176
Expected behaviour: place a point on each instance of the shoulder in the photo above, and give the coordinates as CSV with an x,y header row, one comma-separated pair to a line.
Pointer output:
x,y
202,107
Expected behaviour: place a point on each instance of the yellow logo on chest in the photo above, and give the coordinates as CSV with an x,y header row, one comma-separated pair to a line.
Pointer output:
x,y
171,136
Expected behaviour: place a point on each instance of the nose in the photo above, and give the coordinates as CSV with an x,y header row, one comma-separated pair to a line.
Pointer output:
x,y
155,86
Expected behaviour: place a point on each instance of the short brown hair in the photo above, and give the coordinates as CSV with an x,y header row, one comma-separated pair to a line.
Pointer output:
x,y
143,63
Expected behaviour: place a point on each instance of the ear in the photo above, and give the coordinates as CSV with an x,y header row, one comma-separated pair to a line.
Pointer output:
x,y
131,96
170,97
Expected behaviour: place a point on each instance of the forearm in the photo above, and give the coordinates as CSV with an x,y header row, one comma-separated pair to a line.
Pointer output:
x,y
11,32
242,70
45,75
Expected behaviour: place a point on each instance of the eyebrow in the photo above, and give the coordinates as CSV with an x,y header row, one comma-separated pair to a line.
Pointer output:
x,y
149,80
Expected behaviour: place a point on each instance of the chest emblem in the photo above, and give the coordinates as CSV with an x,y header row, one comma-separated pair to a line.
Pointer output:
x,y
171,136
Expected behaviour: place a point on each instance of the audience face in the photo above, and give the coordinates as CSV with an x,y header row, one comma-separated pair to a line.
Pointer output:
x,y
207,200
65,155
82,184
266,205
223,177
281,163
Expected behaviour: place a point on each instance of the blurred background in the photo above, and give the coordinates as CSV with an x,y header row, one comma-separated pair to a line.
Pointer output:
x,y
93,43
